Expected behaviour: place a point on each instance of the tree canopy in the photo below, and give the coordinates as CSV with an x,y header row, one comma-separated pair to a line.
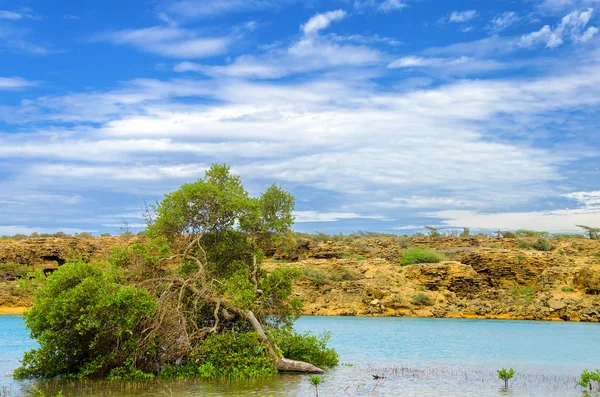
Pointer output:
x,y
190,301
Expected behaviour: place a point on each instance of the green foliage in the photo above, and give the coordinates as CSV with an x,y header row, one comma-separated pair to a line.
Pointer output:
x,y
567,289
531,233
315,380
306,347
589,378
422,299
12,271
543,244
509,234
315,276
506,375
186,301
85,322
592,232
421,255
228,355
525,294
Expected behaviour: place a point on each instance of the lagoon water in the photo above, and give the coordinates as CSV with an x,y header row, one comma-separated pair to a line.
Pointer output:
x,y
418,357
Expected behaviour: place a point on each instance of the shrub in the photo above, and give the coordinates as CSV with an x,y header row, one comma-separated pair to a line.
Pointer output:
x,y
524,244
306,347
422,299
527,293
315,276
509,235
505,375
421,255
543,244
567,289
83,320
589,378
346,275
404,241
530,233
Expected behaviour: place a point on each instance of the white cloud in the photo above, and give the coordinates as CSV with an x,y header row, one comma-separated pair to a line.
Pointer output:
x,y
309,53
207,8
503,21
10,15
379,5
462,16
314,216
322,21
551,221
391,5
562,5
451,66
587,199
415,61
572,27
426,202
170,41
11,83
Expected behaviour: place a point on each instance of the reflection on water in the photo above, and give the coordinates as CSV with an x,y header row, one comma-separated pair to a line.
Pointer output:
x,y
411,357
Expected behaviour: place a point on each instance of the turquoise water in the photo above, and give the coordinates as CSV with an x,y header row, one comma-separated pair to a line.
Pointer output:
x,y
418,357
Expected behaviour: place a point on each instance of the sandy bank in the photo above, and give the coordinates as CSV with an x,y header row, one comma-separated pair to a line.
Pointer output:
x,y
12,310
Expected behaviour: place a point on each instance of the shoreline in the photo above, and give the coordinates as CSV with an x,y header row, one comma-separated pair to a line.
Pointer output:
x,y
20,310
4,310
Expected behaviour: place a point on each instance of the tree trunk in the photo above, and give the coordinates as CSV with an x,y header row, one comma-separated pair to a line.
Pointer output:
x,y
281,363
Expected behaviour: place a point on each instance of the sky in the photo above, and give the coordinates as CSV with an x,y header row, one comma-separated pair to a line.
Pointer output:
x,y
379,115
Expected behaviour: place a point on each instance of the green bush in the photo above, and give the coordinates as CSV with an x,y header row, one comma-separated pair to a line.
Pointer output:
x,y
12,271
589,378
509,235
530,233
421,255
422,299
315,276
83,320
543,244
346,275
526,294
567,289
506,375
306,347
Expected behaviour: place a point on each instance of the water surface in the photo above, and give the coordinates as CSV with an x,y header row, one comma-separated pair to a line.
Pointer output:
x,y
418,357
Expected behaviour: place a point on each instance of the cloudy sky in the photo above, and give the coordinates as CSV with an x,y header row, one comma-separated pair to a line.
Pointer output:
x,y
382,115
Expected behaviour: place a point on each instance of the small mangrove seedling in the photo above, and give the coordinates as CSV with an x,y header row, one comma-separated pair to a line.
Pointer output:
x,y
506,375
588,377
315,380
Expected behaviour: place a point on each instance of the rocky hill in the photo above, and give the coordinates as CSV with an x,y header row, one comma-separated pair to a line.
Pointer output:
x,y
508,278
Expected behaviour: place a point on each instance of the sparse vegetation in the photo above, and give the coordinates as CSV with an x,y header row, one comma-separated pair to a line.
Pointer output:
x,y
422,299
567,289
589,379
525,294
506,375
421,255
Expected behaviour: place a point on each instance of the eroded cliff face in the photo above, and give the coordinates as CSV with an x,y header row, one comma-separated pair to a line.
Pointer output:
x,y
482,278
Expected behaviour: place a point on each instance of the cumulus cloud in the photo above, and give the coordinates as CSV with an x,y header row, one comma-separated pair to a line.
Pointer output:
x,y
311,52
572,27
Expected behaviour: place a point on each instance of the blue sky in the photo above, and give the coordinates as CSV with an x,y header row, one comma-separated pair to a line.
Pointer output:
x,y
383,115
